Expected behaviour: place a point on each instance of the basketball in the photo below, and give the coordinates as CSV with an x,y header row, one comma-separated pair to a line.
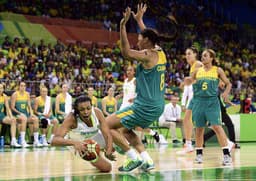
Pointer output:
x,y
93,150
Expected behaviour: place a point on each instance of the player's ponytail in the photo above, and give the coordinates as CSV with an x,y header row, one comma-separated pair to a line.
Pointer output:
x,y
212,55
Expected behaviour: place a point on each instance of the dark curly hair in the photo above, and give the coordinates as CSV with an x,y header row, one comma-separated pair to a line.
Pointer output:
x,y
78,100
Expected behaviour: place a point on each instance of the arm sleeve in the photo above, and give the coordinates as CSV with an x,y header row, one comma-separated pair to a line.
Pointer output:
x,y
184,96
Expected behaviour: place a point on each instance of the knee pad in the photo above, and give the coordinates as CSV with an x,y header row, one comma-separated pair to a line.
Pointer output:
x,y
44,123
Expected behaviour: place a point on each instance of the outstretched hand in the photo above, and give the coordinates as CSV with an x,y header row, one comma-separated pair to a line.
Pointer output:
x,y
110,156
141,9
126,16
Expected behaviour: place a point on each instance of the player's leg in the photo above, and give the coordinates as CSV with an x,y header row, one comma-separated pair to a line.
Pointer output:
x,y
136,142
44,125
114,123
214,117
55,124
12,122
34,121
199,144
188,129
22,121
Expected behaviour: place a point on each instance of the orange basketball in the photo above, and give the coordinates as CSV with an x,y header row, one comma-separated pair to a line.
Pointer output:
x,y
93,150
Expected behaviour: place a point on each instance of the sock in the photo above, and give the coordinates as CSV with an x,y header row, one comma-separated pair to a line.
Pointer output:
x,y
36,134
151,132
225,151
199,151
145,156
13,140
188,142
22,137
132,154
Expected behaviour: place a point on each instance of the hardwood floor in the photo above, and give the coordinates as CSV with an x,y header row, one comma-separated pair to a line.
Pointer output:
x,y
43,163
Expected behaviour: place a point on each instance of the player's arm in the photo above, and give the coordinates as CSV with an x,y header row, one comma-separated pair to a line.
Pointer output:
x,y
184,98
13,102
143,55
115,105
105,130
66,126
224,78
141,9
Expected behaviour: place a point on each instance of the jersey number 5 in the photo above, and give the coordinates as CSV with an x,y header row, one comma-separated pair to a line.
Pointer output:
x,y
204,86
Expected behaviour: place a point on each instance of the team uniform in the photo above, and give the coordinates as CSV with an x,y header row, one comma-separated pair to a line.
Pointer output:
x,y
83,132
62,102
40,109
206,107
94,101
21,103
149,103
110,104
128,92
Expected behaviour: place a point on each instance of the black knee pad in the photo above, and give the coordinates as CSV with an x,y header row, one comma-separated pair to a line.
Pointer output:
x,y
44,123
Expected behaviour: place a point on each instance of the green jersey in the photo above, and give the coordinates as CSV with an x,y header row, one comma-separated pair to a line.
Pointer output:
x,y
150,85
21,103
206,83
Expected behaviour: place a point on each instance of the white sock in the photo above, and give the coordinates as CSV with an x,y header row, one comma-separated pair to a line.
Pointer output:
x,y
152,132
145,156
188,142
13,140
36,134
22,137
132,154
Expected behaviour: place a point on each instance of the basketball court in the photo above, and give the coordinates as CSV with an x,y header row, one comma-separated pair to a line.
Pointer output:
x,y
54,163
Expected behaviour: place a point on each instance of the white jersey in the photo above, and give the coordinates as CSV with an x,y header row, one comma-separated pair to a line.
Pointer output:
x,y
187,95
128,92
83,132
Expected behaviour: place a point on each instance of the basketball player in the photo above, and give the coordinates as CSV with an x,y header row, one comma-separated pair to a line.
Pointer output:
x,y
43,109
150,88
92,97
191,57
225,119
63,103
21,108
86,122
206,106
109,103
7,118
129,95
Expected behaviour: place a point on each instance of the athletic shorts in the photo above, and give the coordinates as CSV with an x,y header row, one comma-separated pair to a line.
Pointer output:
x,y
134,116
206,112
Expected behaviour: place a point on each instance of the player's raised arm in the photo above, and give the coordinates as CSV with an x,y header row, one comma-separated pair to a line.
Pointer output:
x,y
141,9
143,55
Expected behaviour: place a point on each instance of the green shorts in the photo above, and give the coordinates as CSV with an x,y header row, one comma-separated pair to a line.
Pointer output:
x,y
137,116
206,112
50,118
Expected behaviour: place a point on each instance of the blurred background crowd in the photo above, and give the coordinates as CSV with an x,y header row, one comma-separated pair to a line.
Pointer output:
x,y
202,24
